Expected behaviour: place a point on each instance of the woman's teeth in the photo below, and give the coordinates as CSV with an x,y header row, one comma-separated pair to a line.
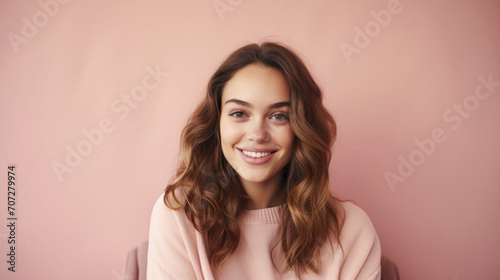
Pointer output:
x,y
256,155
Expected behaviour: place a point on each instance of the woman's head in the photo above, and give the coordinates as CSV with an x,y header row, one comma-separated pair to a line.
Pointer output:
x,y
309,120
255,132
298,129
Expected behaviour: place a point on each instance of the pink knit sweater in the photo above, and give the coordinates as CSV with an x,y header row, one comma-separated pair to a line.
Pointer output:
x,y
177,251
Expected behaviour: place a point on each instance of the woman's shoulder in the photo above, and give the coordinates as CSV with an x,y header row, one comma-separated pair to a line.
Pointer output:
x,y
169,224
161,213
356,222
164,215
354,213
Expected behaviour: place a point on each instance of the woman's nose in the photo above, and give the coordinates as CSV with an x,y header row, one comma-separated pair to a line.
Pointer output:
x,y
258,131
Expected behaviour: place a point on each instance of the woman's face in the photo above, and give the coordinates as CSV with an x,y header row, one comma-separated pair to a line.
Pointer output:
x,y
256,136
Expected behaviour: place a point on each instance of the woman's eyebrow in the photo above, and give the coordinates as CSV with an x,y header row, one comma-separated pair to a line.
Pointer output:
x,y
279,105
246,104
239,102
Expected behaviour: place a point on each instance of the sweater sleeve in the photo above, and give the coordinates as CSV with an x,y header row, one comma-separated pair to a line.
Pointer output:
x,y
168,257
361,246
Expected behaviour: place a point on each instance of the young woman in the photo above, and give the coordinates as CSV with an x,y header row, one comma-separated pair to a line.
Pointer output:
x,y
251,198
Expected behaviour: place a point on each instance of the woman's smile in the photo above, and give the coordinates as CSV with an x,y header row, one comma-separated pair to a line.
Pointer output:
x,y
256,156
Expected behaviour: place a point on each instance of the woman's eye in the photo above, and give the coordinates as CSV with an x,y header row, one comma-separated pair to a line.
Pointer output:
x,y
237,114
281,117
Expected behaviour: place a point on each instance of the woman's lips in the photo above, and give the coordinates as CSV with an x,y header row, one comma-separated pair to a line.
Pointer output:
x,y
256,156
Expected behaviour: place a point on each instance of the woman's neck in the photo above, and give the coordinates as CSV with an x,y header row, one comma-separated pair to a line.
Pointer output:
x,y
264,194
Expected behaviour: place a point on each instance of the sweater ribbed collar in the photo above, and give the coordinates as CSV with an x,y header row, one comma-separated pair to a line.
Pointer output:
x,y
271,215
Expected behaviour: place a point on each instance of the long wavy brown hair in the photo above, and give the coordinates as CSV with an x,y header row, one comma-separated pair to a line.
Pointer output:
x,y
209,190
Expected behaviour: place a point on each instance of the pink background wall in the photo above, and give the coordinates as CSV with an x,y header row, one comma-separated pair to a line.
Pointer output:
x,y
69,69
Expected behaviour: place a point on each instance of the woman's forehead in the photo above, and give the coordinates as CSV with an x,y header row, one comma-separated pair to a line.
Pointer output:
x,y
257,85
